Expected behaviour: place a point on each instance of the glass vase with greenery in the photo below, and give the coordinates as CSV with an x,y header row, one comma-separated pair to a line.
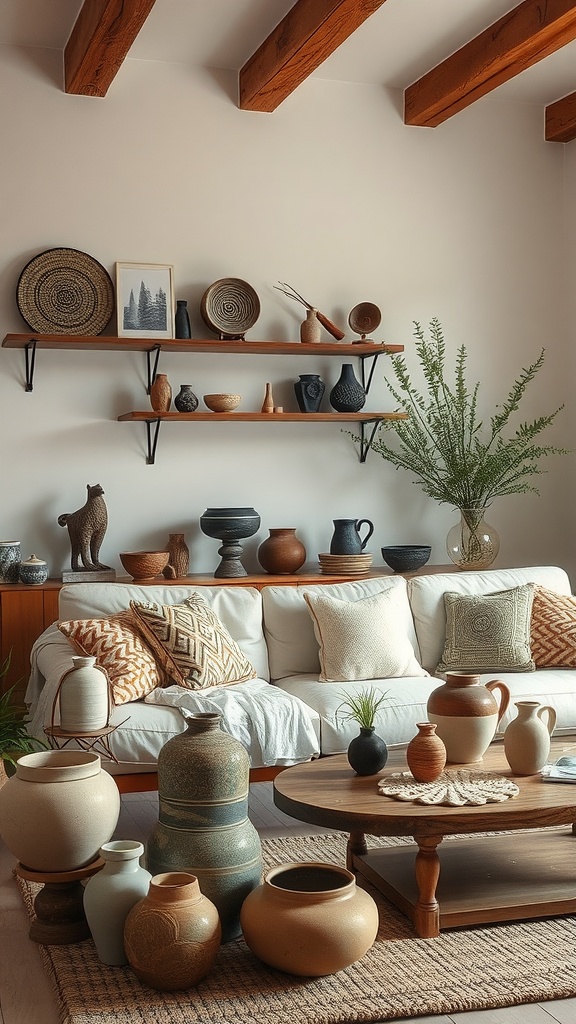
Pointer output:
x,y
450,451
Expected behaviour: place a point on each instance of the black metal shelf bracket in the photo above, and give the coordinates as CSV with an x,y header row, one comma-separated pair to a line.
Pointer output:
x,y
152,431
367,380
30,356
155,351
367,428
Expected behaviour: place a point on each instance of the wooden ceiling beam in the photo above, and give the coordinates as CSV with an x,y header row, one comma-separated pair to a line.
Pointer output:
x,y
98,44
515,42
560,120
310,32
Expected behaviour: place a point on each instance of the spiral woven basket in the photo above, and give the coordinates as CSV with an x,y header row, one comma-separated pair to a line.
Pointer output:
x,y
230,307
65,291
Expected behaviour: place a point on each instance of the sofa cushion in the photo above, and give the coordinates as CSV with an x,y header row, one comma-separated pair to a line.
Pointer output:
x,y
363,639
488,632
426,595
289,629
191,643
553,629
116,644
239,608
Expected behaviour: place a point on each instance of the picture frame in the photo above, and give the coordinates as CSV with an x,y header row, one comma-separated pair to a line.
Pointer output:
x,y
145,300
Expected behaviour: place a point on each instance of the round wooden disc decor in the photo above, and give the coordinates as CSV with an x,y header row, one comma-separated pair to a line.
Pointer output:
x,y
65,291
230,307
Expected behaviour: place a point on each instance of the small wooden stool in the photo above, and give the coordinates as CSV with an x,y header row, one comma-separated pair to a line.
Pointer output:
x,y
59,905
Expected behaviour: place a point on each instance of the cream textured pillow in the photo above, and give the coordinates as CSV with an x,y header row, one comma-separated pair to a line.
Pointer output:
x,y
191,643
488,632
116,644
553,629
363,639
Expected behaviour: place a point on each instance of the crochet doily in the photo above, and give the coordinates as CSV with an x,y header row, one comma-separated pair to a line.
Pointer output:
x,y
453,787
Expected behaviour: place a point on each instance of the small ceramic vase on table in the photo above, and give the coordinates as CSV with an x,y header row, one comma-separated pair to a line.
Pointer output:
x,y
282,553
110,895
426,753
467,714
33,571
367,752
527,738
172,935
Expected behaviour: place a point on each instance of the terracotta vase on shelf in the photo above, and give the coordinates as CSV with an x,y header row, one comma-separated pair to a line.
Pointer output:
x,y
268,403
426,753
467,714
179,557
310,329
172,935
309,919
160,393
282,552
527,738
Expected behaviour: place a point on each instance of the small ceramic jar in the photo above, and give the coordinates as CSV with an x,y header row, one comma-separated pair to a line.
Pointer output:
x,y
33,570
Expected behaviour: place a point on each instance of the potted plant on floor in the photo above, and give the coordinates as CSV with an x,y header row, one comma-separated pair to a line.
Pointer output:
x,y
14,737
452,454
367,753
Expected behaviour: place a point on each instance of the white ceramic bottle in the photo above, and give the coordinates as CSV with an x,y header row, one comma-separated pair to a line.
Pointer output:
x,y
110,895
527,738
84,697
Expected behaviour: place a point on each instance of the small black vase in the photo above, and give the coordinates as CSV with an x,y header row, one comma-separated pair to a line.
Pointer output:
x,y
186,400
347,395
309,390
367,752
182,320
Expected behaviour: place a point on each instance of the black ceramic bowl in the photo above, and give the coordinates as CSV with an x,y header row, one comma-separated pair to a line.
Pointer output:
x,y
406,557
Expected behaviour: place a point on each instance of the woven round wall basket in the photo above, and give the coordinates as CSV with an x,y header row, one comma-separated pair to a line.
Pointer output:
x,y
65,291
230,307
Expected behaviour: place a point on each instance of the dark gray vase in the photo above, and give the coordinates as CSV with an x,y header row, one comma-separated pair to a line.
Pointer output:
x,y
182,320
367,752
186,400
309,390
230,525
347,395
203,826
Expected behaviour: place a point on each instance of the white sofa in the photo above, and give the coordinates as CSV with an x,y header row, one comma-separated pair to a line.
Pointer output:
x,y
296,717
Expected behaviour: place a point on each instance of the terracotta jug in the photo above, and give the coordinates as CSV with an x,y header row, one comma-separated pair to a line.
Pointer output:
x,y
527,738
467,714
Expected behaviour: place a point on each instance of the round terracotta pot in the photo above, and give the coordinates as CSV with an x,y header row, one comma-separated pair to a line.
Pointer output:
x,y
309,919
282,553
172,935
58,809
426,753
466,714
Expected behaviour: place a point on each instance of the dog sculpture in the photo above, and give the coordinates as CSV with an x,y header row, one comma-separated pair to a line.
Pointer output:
x,y
86,528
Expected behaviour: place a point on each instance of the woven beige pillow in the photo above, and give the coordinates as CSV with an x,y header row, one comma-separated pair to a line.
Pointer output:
x,y
553,629
488,632
116,644
191,643
364,639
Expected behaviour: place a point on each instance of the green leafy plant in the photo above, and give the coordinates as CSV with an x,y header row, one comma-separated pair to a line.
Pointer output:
x,y
452,454
362,707
14,737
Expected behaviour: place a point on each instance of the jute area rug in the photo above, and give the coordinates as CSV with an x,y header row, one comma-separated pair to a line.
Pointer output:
x,y
401,976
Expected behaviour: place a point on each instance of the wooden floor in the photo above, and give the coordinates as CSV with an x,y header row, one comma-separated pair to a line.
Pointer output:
x,y
25,994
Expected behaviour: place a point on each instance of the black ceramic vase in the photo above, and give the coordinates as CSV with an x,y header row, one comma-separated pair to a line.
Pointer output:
x,y
367,752
309,390
347,395
230,525
182,320
186,400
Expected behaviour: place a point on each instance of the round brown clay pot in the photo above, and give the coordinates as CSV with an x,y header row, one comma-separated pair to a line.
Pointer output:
x,y
309,919
426,753
466,714
282,553
172,935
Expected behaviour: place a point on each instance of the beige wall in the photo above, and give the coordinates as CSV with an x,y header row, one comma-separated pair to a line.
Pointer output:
x,y
331,193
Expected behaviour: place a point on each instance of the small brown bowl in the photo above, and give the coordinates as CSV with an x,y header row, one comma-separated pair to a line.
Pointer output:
x,y
144,565
222,403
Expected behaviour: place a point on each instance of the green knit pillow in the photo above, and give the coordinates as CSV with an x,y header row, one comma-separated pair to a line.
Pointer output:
x,y
488,632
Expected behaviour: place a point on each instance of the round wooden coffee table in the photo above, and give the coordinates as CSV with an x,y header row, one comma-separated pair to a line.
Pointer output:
x,y
522,874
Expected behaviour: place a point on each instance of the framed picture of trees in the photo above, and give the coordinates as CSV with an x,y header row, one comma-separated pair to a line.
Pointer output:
x,y
145,300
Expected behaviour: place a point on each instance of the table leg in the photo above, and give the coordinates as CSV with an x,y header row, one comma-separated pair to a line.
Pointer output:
x,y
356,845
427,911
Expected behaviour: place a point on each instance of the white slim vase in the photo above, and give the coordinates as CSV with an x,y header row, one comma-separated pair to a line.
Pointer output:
x,y
110,895
84,697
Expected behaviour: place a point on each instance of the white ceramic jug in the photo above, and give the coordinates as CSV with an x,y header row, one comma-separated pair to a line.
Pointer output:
x,y
527,738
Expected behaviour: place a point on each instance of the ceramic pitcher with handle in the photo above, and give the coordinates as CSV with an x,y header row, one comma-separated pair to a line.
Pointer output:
x,y
527,738
467,714
346,539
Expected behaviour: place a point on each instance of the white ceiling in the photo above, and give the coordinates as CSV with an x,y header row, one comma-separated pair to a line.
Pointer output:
x,y
394,47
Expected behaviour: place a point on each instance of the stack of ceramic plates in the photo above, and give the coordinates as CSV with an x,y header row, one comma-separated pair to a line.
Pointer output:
x,y
344,565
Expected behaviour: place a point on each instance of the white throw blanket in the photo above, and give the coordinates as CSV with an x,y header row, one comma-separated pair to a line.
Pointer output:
x,y
267,721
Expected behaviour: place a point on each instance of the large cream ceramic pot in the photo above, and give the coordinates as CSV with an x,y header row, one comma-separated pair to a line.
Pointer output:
x,y
467,715
58,809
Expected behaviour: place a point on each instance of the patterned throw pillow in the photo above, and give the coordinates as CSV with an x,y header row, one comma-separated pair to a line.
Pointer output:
x,y
363,639
191,643
116,644
488,632
553,629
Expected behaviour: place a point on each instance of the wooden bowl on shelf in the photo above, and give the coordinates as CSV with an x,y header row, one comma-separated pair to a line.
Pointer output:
x,y
222,402
144,565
